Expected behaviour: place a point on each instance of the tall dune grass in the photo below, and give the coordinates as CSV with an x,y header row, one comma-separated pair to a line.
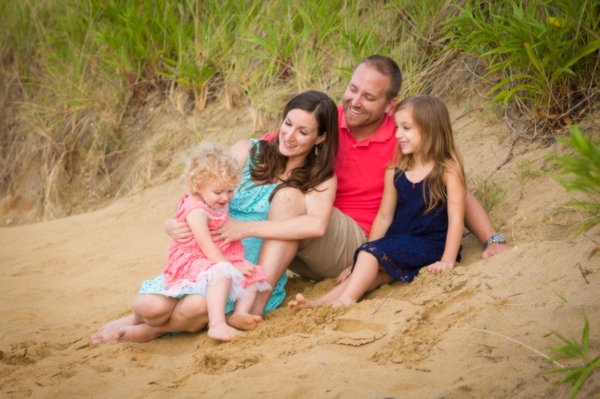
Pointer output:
x,y
71,71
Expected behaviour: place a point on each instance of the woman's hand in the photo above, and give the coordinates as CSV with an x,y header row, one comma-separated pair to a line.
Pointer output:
x,y
178,231
233,230
440,266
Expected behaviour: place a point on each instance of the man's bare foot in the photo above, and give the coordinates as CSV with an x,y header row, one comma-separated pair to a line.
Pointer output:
x,y
110,331
223,332
244,321
299,303
494,249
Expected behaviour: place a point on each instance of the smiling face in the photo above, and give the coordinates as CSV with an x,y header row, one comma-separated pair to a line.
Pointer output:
x,y
366,100
408,133
298,134
215,194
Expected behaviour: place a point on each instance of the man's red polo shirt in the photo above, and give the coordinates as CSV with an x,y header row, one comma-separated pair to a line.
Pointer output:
x,y
360,169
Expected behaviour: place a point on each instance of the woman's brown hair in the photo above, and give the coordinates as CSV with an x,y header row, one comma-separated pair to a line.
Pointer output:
x,y
267,163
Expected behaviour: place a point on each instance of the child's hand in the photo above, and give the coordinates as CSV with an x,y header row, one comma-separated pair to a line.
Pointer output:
x,y
440,266
246,270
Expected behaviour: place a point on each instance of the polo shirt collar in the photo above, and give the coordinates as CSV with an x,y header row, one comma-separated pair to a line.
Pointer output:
x,y
381,135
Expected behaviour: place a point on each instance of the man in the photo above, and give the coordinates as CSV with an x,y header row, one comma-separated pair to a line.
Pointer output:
x,y
366,145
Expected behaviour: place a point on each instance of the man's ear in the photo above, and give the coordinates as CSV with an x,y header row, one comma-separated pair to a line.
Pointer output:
x,y
389,110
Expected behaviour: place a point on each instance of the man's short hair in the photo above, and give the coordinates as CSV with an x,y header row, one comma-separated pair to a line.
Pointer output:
x,y
387,67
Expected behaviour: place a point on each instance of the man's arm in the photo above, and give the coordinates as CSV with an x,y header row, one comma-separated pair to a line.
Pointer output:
x,y
478,223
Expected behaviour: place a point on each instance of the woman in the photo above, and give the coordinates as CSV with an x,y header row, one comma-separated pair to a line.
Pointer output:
x,y
297,168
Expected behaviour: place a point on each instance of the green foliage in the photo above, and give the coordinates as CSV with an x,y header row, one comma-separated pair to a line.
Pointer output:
x,y
74,68
581,173
576,351
542,52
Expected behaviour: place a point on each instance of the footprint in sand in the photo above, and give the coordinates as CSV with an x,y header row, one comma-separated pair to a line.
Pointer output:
x,y
354,332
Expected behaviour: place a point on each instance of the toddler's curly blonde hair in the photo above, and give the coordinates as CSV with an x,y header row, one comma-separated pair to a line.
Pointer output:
x,y
210,162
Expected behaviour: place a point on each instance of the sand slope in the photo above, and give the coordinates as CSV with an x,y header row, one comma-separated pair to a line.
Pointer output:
x,y
480,331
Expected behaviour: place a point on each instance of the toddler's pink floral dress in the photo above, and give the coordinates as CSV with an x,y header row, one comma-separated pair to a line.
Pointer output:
x,y
189,271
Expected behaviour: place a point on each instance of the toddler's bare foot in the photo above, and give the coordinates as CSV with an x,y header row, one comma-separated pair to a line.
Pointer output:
x,y
110,331
494,249
139,333
223,332
244,321
299,303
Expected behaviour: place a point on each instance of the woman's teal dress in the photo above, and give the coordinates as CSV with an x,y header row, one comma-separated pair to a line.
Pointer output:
x,y
251,203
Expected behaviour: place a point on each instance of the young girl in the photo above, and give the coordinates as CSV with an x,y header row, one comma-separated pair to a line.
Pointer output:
x,y
420,219
201,265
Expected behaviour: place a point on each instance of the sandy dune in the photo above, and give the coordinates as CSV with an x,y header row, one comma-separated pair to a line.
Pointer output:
x,y
480,331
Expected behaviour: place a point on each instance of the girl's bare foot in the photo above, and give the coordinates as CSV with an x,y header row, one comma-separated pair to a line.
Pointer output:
x,y
244,321
110,331
299,303
139,333
223,332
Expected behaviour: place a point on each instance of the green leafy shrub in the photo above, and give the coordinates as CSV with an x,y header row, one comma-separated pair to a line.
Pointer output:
x,y
575,351
581,173
543,54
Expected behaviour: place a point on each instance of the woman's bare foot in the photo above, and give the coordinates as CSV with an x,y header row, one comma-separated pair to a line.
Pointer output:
x,y
494,249
244,321
139,333
110,332
223,332
300,303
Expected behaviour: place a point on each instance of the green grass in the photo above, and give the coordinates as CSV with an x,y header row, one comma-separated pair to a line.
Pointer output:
x,y
542,54
71,71
580,173
578,352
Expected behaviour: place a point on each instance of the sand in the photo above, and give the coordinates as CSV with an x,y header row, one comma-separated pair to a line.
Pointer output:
x,y
483,330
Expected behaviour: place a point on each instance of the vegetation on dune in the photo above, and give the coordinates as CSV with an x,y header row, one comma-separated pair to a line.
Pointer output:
x,y
72,71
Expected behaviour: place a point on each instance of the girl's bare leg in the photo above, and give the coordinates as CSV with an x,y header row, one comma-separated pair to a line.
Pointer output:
x,y
216,298
366,276
241,317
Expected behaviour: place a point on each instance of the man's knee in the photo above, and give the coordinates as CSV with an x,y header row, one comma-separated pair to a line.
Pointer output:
x,y
287,202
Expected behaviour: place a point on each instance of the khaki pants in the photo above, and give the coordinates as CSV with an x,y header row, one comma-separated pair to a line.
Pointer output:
x,y
327,256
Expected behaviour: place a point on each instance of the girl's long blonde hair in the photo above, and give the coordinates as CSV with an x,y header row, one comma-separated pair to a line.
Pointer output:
x,y
431,116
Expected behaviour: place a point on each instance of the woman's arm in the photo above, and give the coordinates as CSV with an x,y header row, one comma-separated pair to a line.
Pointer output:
x,y
456,216
387,208
240,151
311,223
